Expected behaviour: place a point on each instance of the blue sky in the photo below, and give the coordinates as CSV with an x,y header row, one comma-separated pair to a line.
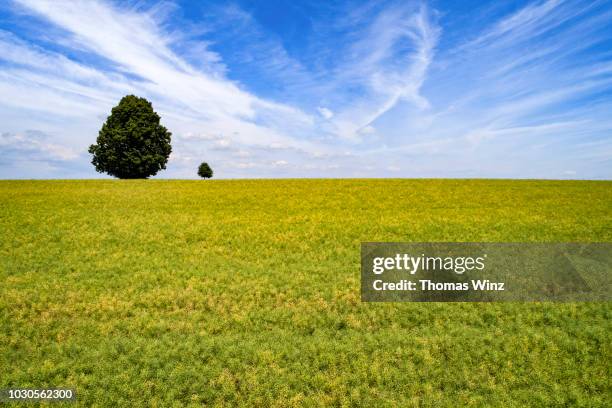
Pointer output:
x,y
315,88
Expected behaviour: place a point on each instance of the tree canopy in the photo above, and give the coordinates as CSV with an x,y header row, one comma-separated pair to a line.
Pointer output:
x,y
132,143
205,171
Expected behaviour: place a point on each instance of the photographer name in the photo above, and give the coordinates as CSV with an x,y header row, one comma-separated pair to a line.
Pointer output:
x,y
426,285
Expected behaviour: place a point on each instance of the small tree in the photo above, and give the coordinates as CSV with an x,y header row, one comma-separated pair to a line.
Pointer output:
x,y
205,171
132,143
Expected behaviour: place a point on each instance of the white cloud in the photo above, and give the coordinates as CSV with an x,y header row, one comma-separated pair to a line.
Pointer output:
x,y
326,113
367,130
280,163
33,146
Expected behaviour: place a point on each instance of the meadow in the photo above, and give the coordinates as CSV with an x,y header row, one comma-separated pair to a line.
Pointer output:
x,y
246,292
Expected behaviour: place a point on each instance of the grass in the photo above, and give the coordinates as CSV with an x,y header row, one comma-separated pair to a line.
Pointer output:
x,y
171,293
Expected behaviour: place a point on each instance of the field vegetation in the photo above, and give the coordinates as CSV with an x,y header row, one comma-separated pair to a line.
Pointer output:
x,y
246,292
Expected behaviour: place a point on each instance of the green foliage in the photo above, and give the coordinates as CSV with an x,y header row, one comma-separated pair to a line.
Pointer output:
x,y
205,171
132,143
253,298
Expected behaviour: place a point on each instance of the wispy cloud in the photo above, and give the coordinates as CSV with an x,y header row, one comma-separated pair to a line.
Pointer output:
x,y
36,144
527,78
369,89
387,62
144,63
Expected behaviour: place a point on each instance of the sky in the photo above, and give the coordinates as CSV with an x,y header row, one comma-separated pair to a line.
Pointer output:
x,y
276,89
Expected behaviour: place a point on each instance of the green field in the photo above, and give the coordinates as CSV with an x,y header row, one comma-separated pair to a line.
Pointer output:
x,y
169,293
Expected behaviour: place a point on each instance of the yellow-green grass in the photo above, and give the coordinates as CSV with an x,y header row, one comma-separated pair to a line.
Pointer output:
x,y
169,293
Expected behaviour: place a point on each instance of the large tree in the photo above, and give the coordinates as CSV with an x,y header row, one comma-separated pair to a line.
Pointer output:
x,y
132,143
